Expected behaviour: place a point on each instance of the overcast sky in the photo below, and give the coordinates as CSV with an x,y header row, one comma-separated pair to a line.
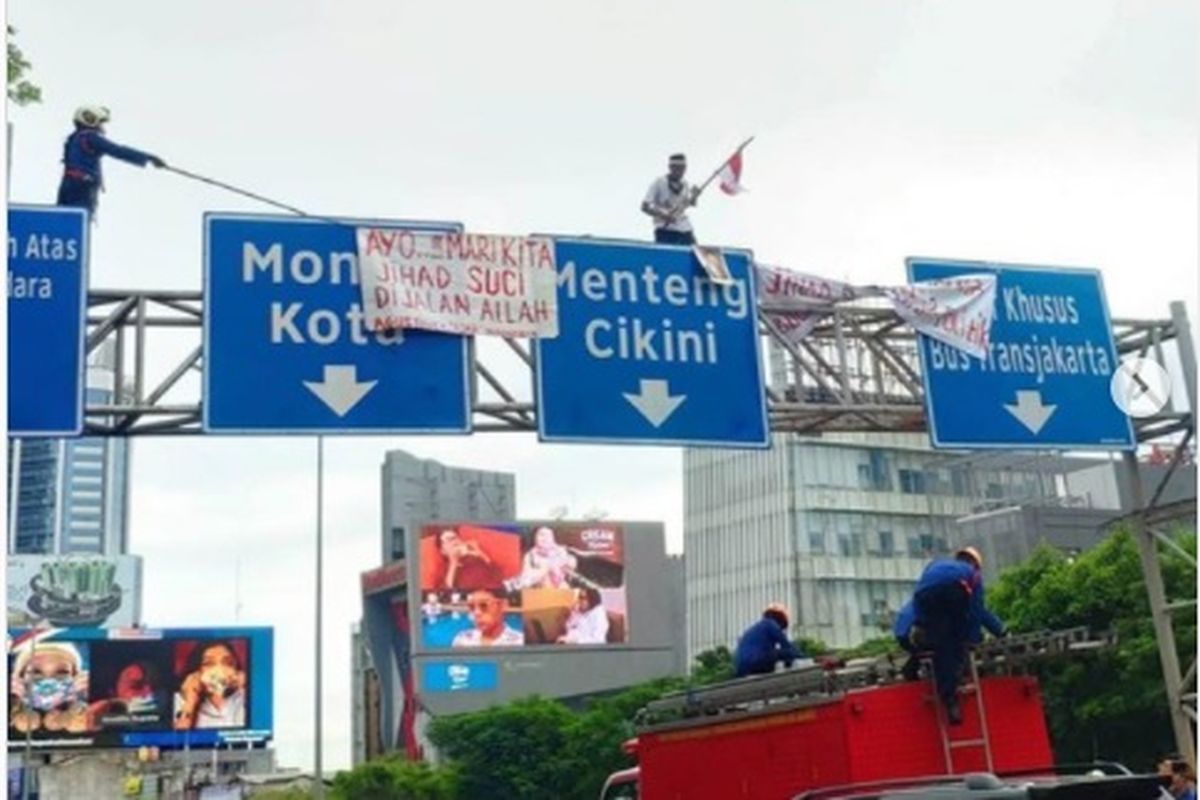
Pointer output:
x,y
1044,132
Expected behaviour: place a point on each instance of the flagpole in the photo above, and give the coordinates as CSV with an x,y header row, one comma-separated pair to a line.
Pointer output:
x,y
717,171
691,201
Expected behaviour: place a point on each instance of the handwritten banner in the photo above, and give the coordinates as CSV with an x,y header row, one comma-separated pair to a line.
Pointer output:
x,y
796,301
957,311
465,283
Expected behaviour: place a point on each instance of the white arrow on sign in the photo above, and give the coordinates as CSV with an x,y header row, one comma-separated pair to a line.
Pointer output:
x,y
340,388
654,401
1030,411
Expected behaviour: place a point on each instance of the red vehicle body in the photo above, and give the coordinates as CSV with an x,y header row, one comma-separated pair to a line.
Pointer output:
x,y
866,734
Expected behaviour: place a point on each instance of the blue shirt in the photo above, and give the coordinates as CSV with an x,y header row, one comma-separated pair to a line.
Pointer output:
x,y
1188,794
904,621
84,147
761,645
951,570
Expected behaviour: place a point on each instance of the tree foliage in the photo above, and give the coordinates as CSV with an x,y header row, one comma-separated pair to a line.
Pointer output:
x,y
20,91
396,779
1111,705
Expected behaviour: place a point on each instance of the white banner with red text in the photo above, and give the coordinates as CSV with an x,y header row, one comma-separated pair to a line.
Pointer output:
x,y
464,283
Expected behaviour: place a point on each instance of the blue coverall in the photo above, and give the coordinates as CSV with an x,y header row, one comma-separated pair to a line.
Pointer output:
x,y
903,625
82,178
950,608
761,646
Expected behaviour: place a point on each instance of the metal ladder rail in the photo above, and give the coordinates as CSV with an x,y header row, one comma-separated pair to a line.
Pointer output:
x,y
949,745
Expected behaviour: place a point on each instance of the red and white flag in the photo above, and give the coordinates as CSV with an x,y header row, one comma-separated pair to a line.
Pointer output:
x,y
730,175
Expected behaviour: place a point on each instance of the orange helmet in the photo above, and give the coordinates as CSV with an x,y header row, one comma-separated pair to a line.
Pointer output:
x,y
970,553
778,611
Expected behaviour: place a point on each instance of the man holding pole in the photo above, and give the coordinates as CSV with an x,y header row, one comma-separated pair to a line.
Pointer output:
x,y
667,201
669,196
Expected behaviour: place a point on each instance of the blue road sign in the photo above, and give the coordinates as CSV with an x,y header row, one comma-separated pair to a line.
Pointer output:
x,y
650,351
1046,380
47,303
286,349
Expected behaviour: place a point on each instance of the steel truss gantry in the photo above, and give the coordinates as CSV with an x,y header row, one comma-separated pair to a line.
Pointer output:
x,y
857,371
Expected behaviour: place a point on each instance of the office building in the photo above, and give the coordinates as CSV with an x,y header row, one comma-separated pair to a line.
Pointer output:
x,y
71,496
416,490
838,527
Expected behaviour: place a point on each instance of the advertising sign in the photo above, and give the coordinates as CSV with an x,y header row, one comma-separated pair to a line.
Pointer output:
x,y
88,687
461,676
74,591
513,585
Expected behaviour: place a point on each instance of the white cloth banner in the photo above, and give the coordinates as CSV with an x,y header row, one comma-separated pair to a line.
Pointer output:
x,y
465,283
796,301
957,311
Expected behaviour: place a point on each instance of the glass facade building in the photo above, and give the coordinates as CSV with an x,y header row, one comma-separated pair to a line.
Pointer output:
x,y
71,496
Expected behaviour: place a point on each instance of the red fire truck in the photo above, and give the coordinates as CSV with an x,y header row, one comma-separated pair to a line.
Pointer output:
x,y
775,736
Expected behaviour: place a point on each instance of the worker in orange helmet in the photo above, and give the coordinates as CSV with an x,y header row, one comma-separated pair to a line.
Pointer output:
x,y
950,611
764,644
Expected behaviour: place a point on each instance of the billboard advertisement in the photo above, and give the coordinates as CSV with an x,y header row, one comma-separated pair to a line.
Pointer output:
x,y
177,687
74,591
518,585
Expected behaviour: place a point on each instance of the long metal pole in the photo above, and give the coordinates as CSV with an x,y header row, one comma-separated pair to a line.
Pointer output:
x,y
1160,615
318,774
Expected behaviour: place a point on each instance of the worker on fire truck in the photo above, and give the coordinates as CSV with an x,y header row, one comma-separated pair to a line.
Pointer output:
x,y
950,614
764,644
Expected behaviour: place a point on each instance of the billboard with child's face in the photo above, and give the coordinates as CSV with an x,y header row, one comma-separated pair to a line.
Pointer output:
x,y
132,687
520,585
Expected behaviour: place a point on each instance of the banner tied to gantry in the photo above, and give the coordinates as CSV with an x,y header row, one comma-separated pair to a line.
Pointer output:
x,y
464,283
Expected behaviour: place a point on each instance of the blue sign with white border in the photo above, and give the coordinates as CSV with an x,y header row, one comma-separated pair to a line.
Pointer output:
x,y
650,350
286,349
461,676
47,306
1046,380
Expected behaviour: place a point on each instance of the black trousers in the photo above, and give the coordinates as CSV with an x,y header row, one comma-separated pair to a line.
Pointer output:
x,y
943,611
78,194
667,236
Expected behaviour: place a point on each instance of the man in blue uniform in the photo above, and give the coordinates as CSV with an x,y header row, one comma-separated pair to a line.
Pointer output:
x,y
909,637
950,611
764,644
82,179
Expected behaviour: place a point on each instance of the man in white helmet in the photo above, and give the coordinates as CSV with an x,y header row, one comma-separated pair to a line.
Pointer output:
x,y
82,179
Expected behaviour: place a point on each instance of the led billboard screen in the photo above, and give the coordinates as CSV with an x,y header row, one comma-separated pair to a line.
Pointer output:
x,y
130,687
520,585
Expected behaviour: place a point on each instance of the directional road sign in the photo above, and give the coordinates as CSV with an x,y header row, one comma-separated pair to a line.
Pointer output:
x,y
47,300
1046,380
286,349
650,351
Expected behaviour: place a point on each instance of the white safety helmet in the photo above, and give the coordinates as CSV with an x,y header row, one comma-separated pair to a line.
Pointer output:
x,y
92,116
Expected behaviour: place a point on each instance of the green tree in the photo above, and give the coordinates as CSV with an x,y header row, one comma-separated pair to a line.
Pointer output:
x,y
713,665
878,646
1112,704
520,750
20,90
396,779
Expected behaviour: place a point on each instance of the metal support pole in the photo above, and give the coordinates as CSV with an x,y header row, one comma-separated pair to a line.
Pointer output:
x,y
1164,633
1187,352
318,774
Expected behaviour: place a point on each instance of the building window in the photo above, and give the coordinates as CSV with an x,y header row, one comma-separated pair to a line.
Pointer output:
x,y
850,544
865,480
912,481
398,544
995,491
887,543
816,542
